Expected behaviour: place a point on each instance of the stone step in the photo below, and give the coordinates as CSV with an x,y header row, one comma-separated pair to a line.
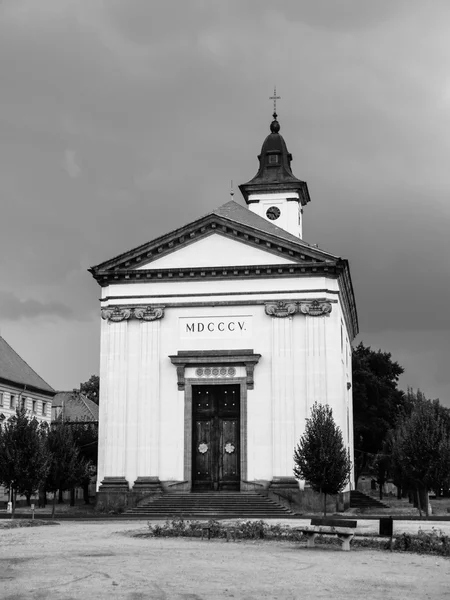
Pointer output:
x,y
211,505
360,500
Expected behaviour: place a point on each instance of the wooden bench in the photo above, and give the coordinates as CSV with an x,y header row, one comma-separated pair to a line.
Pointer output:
x,y
342,528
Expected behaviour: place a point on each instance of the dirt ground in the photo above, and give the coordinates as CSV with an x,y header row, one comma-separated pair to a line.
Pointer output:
x,y
102,560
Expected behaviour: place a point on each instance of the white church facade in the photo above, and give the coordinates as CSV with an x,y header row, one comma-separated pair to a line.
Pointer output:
x,y
216,340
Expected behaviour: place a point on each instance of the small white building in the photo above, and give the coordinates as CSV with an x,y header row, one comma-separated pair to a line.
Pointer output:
x,y
21,387
216,340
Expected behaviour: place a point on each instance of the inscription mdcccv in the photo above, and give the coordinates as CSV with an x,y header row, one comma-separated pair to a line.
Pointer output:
x,y
237,326
211,326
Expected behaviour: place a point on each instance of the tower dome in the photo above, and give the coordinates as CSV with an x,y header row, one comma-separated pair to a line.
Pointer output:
x,y
274,174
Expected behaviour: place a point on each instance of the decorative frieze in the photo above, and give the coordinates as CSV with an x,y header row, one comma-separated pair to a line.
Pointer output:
x,y
142,313
215,363
313,308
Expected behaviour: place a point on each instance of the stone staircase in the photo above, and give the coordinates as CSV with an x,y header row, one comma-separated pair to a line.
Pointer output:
x,y
211,505
360,500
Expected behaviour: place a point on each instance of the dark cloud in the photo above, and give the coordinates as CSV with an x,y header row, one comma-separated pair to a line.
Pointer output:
x,y
13,308
120,121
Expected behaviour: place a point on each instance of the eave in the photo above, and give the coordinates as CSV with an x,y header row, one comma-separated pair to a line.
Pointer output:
x,y
26,388
168,243
305,269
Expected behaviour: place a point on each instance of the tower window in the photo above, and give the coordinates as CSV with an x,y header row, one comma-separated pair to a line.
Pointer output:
x,y
273,159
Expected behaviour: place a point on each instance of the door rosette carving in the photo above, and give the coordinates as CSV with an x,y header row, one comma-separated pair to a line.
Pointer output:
x,y
202,448
229,448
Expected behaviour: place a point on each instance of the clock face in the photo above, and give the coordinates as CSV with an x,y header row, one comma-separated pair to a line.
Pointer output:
x,y
273,213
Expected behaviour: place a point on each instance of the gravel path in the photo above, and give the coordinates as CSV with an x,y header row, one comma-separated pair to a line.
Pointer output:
x,y
99,560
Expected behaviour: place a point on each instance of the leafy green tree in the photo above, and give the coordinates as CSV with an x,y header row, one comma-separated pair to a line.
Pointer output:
x,y
377,402
24,455
67,468
321,457
91,388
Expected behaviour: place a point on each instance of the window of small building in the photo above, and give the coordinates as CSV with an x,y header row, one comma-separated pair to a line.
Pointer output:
x,y
1,398
34,407
12,401
273,159
23,402
44,409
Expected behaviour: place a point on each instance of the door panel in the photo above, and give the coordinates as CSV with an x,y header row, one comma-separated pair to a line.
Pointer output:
x,y
202,451
216,435
229,451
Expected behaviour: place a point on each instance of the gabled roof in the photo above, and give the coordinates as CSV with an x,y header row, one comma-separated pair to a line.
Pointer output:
x,y
15,370
230,219
239,214
75,406
242,225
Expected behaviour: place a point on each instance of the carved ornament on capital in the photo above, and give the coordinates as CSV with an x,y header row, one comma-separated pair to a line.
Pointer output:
x,y
116,314
283,309
142,313
315,308
149,313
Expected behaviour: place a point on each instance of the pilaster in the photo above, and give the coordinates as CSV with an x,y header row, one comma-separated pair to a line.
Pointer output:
x,y
148,433
117,398
283,416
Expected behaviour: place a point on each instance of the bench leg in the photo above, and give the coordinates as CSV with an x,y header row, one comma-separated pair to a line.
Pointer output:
x,y
310,539
345,540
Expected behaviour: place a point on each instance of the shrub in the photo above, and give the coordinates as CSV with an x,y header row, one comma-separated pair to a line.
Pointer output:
x,y
434,542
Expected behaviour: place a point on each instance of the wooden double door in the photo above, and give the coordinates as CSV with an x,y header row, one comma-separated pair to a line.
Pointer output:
x,y
216,437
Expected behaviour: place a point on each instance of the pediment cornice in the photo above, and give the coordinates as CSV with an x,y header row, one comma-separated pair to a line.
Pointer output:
x,y
209,225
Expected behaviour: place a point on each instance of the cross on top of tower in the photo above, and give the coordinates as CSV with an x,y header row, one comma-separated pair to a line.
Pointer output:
x,y
275,98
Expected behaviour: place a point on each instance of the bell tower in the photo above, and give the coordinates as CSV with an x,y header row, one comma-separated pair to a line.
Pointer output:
x,y
275,193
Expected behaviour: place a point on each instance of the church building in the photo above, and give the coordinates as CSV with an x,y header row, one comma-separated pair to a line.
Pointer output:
x,y
216,340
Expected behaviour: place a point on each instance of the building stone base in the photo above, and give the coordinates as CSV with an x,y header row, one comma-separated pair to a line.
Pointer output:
x,y
113,495
305,501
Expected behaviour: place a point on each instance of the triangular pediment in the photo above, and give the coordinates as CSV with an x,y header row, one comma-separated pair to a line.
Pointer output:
x,y
232,227
215,250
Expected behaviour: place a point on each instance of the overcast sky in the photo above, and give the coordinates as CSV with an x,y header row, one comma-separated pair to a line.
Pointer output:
x,y
123,119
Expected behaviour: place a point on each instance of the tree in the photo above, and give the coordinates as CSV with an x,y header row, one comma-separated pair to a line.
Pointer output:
x,y
321,457
67,468
24,456
377,402
380,467
421,448
91,388
85,437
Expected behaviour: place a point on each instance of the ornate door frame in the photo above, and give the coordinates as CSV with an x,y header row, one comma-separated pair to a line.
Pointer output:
x,y
211,383
242,363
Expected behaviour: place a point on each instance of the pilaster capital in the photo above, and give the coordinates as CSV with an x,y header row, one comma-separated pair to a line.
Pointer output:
x,y
116,314
315,308
281,309
141,312
149,313
312,308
